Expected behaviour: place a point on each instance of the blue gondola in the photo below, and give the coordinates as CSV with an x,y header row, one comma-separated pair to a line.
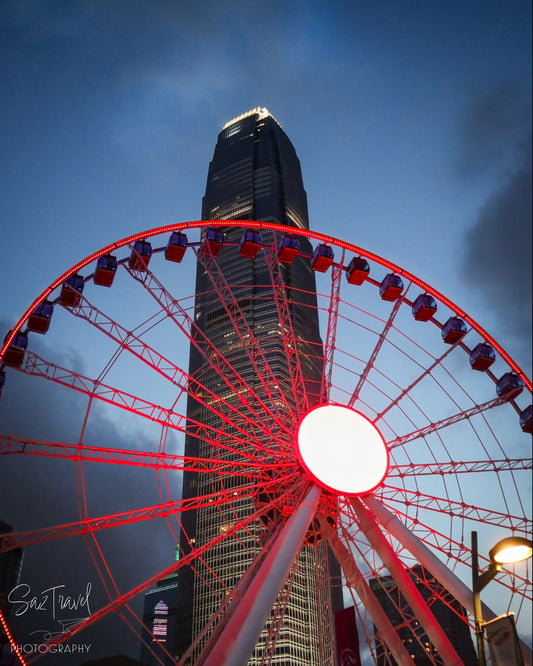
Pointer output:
x,y
288,247
212,242
140,256
509,386
453,330
526,419
39,320
14,354
322,258
250,244
357,270
106,267
391,287
2,381
424,307
482,356
176,246
71,290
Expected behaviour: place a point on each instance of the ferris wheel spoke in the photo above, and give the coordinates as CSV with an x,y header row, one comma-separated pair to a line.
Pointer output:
x,y
380,544
374,354
220,498
251,344
450,420
455,467
158,460
331,330
458,554
454,508
132,343
212,356
429,560
291,344
35,365
186,560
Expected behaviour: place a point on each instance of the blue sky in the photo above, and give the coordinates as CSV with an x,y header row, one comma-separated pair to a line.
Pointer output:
x,y
412,122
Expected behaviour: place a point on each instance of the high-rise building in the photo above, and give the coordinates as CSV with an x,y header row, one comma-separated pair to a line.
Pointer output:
x,y
448,612
254,174
159,619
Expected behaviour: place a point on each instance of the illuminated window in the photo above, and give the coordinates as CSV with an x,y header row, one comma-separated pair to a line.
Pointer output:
x,y
159,628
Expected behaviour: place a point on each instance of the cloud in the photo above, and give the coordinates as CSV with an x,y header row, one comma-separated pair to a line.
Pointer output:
x,y
497,256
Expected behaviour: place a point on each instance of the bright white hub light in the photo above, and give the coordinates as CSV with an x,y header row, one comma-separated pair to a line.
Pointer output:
x,y
342,449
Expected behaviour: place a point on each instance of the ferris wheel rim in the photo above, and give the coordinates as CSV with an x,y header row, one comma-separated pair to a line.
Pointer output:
x,y
270,226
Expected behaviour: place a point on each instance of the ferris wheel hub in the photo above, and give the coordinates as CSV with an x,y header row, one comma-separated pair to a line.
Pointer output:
x,y
342,450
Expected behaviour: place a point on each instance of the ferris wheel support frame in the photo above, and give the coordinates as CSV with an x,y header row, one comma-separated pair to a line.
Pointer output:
x,y
377,539
431,562
239,636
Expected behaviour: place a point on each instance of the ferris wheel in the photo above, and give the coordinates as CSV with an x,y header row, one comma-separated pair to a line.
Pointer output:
x,y
417,433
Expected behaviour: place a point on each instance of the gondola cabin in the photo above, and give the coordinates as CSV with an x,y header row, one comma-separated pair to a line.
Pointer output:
x,y
14,354
212,242
482,356
250,244
71,290
509,386
140,256
106,267
424,307
288,247
39,320
357,270
2,381
526,419
391,287
322,258
176,246
453,330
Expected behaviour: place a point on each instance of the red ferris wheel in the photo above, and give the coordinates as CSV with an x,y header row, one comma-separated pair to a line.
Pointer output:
x,y
94,419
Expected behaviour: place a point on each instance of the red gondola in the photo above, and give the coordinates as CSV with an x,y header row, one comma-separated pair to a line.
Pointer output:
x,y
106,267
71,290
212,242
140,256
509,386
357,270
250,244
176,246
424,307
453,330
322,258
482,356
288,247
526,419
14,354
39,320
391,287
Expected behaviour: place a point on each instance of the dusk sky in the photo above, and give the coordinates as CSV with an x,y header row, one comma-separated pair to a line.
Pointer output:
x,y
412,122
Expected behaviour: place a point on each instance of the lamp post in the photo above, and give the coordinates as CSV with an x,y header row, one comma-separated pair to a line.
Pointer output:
x,y
506,551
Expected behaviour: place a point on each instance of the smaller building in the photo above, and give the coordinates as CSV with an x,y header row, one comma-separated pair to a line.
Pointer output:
x,y
448,612
159,619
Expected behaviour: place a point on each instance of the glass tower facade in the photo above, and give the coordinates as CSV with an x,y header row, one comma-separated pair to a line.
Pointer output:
x,y
254,174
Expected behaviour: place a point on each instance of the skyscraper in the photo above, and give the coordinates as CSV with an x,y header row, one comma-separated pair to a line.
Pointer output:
x,y
254,174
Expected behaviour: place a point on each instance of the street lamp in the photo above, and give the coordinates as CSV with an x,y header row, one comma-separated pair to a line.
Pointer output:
x,y
507,551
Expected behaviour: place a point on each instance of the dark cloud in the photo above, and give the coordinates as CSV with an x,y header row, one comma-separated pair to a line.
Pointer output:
x,y
38,492
492,130
497,258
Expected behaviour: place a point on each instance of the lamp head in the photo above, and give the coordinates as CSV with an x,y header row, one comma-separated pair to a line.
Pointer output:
x,y
511,550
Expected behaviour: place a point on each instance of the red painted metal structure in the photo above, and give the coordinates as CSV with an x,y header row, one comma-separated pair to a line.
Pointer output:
x,y
445,438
